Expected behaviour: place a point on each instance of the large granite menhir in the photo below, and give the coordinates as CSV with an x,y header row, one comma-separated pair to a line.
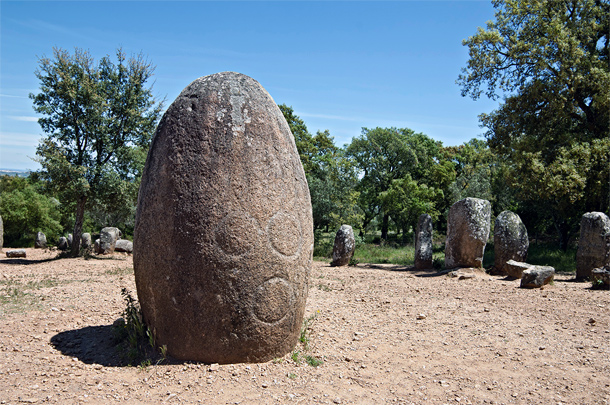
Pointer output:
x,y
467,232
223,241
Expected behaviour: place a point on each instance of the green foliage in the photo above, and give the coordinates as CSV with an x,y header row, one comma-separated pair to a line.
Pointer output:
x,y
98,120
135,341
392,162
25,211
549,60
331,176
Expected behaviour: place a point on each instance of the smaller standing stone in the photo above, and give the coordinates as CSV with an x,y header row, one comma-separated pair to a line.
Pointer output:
x,y
96,247
510,241
70,239
108,238
423,243
515,269
593,244
15,253
86,240
601,278
344,247
63,243
537,276
41,241
123,245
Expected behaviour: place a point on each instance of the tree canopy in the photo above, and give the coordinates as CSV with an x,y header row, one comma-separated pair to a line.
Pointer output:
x,y
550,62
98,120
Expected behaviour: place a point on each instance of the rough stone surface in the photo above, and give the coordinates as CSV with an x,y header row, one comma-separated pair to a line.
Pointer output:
x,y
41,241
108,238
593,245
344,246
510,241
86,240
537,276
423,243
96,247
15,253
62,244
223,241
1,233
467,232
515,269
601,277
123,245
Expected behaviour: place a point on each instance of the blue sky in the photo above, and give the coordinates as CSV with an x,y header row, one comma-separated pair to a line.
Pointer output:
x,y
340,65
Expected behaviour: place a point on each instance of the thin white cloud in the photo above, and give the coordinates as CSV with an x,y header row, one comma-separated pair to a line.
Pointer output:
x,y
23,118
19,139
12,96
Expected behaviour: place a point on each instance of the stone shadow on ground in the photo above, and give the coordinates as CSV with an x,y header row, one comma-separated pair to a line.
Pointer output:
x,y
22,261
406,269
95,345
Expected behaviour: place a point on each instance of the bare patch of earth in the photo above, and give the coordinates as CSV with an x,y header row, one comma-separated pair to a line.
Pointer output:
x,y
385,334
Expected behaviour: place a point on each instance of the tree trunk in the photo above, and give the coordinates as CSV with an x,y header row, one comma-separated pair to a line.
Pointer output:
x,y
78,226
384,226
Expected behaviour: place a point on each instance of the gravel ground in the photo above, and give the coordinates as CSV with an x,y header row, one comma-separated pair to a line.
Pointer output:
x,y
384,334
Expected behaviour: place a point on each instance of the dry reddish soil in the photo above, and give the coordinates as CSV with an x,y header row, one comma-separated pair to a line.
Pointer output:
x,y
385,334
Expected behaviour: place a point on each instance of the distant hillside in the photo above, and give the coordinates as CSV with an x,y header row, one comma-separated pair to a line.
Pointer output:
x,y
11,172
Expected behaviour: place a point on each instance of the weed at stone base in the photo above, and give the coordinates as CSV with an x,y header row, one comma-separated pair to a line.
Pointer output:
x,y
312,361
304,339
135,341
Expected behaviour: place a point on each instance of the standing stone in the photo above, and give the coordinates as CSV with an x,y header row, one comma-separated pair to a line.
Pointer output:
x,y
70,239
41,241
1,234
510,241
423,243
344,247
223,241
86,240
96,247
108,238
467,232
63,243
593,244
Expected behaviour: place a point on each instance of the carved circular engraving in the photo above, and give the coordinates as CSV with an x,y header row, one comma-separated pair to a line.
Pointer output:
x,y
284,233
236,234
273,299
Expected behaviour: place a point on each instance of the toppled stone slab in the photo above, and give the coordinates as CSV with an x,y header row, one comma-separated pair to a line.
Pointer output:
x,y
515,269
123,245
601,278
537,276
15,253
